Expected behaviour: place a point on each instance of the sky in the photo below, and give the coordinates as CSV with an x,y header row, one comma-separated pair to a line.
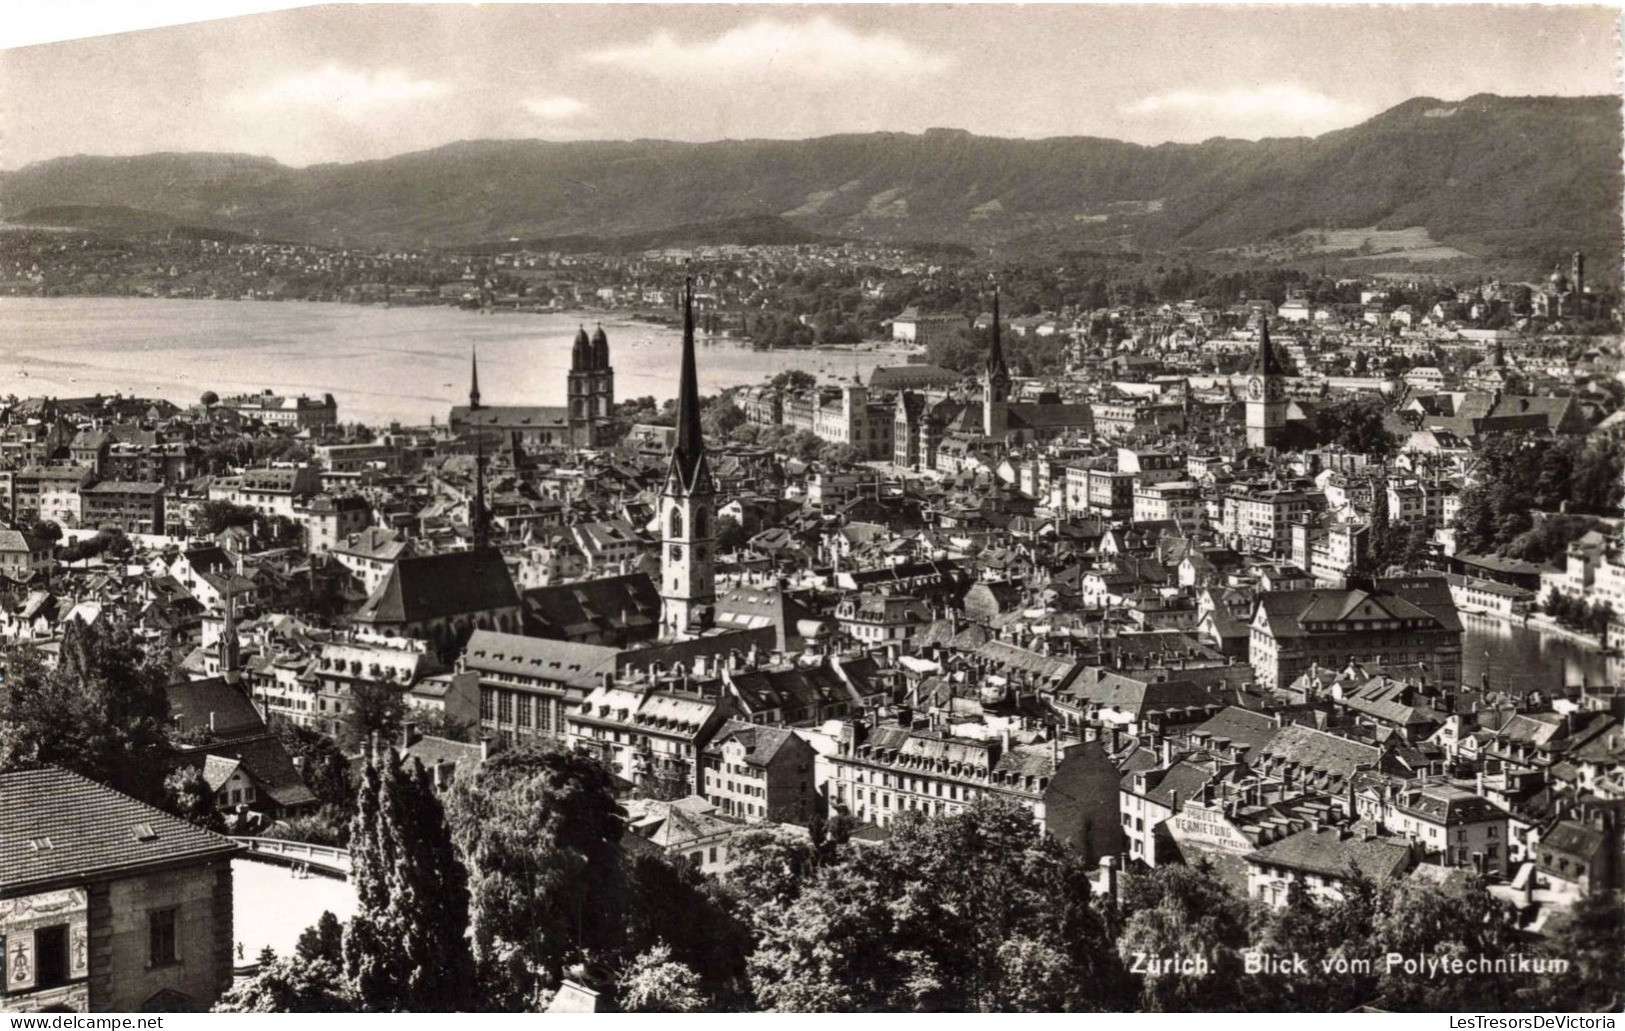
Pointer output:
x,y
349,82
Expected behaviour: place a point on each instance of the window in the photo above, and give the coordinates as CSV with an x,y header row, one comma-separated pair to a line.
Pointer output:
x,y
505,707
525,708
487,705
161,937
51,955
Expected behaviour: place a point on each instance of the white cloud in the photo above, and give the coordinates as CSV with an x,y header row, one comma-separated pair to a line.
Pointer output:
x,y
1281,107
555,109
819,49
350,92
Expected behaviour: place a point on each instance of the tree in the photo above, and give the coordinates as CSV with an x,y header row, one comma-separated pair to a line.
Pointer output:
x,y
189,796
322,940
655,983
440,723
115,542
322,765
48,531
698,921
805,445
794,381
406,948
541,833
770,866
209,399
719,417
102,711
1458,919
1356,424
211,517
730,536
840,456
1549,539
1590,936
974,911
374,709
1185,911
292,986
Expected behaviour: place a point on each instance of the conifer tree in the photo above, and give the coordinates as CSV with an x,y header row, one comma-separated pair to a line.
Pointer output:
x,y
405,949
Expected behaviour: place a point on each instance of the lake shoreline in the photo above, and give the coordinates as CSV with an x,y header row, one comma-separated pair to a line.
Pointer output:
x,y
404,364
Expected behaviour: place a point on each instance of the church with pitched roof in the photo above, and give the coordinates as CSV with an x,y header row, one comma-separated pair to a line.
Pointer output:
x,y
583,421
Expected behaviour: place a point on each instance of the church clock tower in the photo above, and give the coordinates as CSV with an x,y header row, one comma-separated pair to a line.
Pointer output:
x,y
995,381
687,509
1266,394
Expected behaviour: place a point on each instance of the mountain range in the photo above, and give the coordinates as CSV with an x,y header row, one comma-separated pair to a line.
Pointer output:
x,y
1513,182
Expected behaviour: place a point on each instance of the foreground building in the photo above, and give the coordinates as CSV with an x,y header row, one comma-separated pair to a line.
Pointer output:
x,y
106,904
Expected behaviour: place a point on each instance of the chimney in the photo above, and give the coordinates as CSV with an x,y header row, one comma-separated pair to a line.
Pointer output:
x,y
409,734
1167,752
1005,737
1108,874
1173,800
211,721
485,748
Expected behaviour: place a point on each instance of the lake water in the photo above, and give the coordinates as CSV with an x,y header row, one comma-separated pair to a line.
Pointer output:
x,y
1519,658
380,364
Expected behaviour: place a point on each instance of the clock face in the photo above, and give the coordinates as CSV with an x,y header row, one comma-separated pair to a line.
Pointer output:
x,y
1255,388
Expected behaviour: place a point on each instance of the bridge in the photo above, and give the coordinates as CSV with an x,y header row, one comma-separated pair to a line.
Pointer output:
x,y
316,859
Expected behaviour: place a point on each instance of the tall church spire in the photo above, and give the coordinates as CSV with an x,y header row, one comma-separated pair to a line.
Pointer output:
x,y
1264,362
995,380
230,648
1266,394
689,456
996,376
478,520
473,380
687,509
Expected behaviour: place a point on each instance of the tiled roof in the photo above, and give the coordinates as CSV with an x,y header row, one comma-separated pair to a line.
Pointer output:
x,y
1326,852
57,826
264,759
761,743
1321,752
590,607
563,662
1240,726
213,704
426,587
797,691
1449,805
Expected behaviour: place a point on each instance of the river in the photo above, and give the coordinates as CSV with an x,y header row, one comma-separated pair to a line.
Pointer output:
x,y
381,364
1520,658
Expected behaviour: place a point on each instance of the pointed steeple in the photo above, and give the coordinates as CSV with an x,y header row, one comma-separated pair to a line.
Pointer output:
x,y
478,519
230,648
689,455
473,380
995,354
995,374
1264,362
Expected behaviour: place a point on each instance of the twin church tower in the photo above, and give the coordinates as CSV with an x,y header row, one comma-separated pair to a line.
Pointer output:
x,y
688,498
